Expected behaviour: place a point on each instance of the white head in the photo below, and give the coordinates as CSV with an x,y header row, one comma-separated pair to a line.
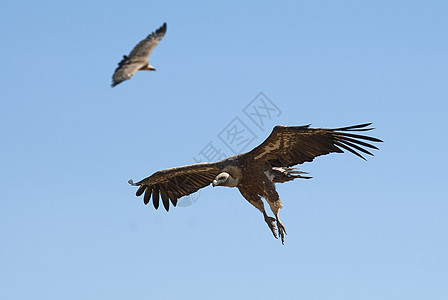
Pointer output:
x,y
225,179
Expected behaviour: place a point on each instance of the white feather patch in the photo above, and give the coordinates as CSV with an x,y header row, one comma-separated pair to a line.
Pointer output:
x,y
269,175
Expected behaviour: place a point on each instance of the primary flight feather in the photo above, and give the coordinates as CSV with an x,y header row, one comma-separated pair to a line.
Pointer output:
x,y
255,173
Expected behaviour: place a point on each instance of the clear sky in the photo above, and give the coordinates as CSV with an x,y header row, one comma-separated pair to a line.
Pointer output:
x,y
71,226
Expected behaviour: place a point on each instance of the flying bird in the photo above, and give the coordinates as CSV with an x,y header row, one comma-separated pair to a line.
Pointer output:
x,y
138,59
255,173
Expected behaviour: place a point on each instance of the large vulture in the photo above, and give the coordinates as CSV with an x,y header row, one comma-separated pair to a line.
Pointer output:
x,y
255,173
138,59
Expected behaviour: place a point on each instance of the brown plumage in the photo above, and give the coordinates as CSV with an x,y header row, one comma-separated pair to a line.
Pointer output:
x,y
255,173
138,59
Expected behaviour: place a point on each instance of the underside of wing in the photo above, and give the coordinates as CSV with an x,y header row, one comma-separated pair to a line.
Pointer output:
x,y
287,146
171,184
145,47
126,69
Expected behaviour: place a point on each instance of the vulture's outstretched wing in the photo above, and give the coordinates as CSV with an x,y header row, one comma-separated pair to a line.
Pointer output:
x,y
145,47
138,57
174,183
287,146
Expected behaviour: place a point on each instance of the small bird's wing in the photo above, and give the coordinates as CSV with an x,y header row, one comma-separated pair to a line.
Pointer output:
x,y
138,57
174,183
287,146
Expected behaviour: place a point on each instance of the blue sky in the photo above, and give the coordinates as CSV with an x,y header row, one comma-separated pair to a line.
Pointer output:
x,y
71,226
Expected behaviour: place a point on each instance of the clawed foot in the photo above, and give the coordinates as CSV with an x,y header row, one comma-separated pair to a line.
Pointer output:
x,y
281,231
270,221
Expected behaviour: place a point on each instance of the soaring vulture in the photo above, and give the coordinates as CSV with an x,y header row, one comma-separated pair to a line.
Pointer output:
x,y
138,59
255,173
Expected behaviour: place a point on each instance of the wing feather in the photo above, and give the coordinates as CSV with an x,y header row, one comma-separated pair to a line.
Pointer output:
x,y
175,183
143,49
173,197
165,199
140,191
353,145
126,71
147,196
155,196
360,143
287,146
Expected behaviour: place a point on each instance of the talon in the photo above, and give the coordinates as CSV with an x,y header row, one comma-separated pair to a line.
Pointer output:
x,y
281,231
270,221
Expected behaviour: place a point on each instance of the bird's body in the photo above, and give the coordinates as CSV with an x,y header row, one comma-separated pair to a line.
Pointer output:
x,y
255,173
138,59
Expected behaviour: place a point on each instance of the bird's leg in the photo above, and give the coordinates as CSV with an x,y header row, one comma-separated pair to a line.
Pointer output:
x,y
281,229
258,203
270,221
275,207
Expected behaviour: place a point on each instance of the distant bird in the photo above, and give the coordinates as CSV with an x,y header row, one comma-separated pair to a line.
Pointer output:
x,y
138,59
255,173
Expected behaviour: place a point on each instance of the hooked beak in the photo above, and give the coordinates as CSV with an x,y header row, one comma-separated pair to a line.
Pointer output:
x,y
214,183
